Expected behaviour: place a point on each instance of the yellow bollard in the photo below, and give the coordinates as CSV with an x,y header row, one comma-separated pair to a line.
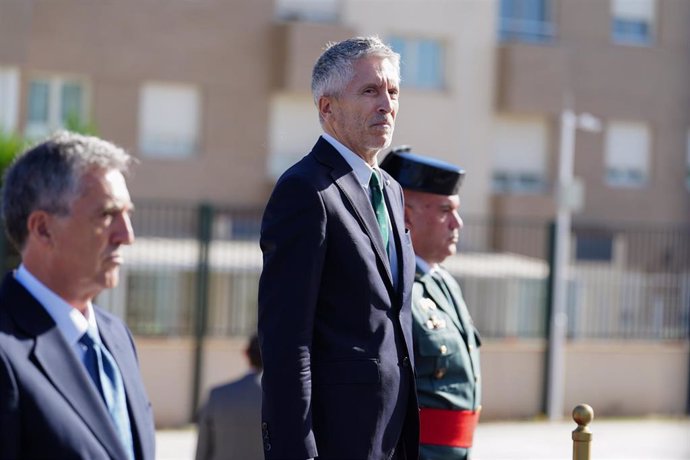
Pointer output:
x,y
583,415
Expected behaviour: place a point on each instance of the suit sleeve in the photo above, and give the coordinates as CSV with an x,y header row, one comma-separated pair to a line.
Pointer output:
x,y
293,241
10,426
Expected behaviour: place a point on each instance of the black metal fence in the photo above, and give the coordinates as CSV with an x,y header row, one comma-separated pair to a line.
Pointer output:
x,y
194,270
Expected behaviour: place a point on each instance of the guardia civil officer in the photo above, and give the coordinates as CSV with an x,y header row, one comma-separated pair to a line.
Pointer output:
x,y
446,343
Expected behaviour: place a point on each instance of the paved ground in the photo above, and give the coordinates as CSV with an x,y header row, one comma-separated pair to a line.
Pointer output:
x,y
625,439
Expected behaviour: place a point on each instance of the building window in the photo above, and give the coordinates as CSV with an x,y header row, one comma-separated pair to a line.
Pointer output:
x,y
520,155
627,154
526,21
169,120
9,99
53,103
593,247
307,10
632,21
421,62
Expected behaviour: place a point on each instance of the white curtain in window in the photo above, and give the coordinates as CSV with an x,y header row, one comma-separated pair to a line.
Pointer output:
x,y
168,119
520,146
9,98
633,10
627,146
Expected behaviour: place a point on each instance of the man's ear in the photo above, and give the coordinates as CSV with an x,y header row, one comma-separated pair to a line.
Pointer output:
x,y
325,106
39,227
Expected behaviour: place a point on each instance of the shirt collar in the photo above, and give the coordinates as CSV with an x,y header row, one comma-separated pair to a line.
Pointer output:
x,y
70,322
425,267
362,170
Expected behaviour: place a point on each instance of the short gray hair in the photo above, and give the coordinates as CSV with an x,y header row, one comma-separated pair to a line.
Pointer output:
x,y
48,177
334,68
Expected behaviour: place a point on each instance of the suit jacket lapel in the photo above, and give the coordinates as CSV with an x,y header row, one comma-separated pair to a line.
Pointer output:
x,y
119,345
62,367
461,308
346,180
397,218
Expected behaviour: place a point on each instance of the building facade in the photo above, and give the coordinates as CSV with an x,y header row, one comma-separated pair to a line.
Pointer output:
x,y
213,98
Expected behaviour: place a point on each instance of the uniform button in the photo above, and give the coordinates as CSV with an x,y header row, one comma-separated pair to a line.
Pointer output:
x,y
444,349
471,347
267,446
440,373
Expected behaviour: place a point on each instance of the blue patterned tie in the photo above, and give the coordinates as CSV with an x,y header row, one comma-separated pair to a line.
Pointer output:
x,y
105,375
379,207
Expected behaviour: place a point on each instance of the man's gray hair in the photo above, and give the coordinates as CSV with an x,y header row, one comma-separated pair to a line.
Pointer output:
x,y
334,69
48,177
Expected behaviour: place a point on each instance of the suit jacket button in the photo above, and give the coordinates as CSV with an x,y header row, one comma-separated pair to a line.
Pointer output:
x,y
406,361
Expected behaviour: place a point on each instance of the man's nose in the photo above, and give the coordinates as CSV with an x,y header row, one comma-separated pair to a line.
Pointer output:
x,y
386,103
457,221
123,232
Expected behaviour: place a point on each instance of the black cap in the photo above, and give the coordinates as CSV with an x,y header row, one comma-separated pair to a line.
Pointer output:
x,y
422,173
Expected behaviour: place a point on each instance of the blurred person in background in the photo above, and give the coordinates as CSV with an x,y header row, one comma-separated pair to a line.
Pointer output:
x,y
228,427
446,343
70,385
334,296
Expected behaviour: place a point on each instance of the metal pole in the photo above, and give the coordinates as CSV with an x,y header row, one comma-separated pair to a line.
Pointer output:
x,y
556,367
583,415
202,287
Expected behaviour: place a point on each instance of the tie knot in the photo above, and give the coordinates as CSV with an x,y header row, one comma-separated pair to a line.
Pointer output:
x,y
374,180
86,340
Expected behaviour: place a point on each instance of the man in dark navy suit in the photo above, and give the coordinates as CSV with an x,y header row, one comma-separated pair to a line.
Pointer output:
x,y
334,295
70,385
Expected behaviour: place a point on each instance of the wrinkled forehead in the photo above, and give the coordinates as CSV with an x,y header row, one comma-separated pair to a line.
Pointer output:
x,y
375,69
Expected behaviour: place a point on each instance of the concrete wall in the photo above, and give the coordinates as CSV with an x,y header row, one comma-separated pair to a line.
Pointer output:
x,y
615,378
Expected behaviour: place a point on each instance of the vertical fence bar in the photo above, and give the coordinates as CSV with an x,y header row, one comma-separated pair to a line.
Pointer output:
x,y
551,254
205,225
687,400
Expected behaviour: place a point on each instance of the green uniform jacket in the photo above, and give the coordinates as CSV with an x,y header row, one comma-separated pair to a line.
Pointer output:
x,y
446,347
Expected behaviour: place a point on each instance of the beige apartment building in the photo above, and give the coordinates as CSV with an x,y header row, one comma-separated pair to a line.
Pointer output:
x,y
213,97
626,62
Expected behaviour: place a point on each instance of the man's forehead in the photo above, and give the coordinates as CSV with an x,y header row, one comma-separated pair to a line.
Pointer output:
x,y
377,68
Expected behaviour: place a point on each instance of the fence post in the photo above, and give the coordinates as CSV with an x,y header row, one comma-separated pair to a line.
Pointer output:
x,y
551,254
205,221
583,415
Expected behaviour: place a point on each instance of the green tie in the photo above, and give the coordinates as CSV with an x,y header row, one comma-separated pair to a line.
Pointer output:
x,y
379,207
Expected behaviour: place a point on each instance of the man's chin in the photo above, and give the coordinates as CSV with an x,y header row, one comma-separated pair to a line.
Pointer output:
x,y
112,278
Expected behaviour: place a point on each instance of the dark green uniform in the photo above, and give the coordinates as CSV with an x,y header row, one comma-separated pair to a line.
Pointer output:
x,y
446,347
